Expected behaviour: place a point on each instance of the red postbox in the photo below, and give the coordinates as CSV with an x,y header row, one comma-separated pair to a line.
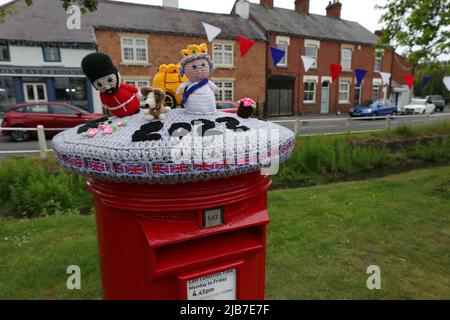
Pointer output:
x,y
202,240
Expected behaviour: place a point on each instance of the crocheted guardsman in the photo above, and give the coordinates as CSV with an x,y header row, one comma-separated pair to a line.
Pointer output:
x,y
120,98
198,96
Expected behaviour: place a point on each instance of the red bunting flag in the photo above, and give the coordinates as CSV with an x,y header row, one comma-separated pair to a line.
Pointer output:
x,y
336,70
409,78
245,44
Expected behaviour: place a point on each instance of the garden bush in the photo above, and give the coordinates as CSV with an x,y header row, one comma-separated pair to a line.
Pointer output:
x,y
31,187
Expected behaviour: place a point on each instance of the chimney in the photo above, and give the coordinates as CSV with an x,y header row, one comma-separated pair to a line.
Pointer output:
x,y
267,3
379,33
334,9
243,9
302,6
170,4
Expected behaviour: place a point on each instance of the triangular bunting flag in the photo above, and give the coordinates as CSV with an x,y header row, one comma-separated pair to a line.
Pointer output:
x,y
386,76
211,31
425,80
360,74
336,70
409,78
446,81
308,62
245,44
277,55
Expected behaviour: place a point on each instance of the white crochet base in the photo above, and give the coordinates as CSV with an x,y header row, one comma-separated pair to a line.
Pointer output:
x,y
173,160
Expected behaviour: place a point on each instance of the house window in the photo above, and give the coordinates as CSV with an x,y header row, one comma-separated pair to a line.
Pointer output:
x,y
51,54
223,54
344,92
376,91
4,53
283,44
346,59
134,50
378,61
226,90
138,83
309,91
312,50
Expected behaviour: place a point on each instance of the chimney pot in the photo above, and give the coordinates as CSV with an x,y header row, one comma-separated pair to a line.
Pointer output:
x,y
267,3
170,4
334,9
302,6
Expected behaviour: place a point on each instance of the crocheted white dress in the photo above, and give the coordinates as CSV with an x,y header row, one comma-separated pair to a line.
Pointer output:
x,y
202,100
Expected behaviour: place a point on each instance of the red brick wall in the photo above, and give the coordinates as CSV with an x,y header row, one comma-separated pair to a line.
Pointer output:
x,y
249,72
329,53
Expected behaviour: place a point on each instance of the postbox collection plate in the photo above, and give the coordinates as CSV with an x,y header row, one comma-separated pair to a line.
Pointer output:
x,y
217,286
213,217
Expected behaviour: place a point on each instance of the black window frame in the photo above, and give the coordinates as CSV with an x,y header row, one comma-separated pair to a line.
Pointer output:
x,y
9,52
45,59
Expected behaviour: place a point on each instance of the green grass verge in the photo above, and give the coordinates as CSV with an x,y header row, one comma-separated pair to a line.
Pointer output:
x,y
320,242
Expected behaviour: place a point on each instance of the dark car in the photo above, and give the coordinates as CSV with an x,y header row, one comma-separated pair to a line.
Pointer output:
x,y
438,101
374,108
48,114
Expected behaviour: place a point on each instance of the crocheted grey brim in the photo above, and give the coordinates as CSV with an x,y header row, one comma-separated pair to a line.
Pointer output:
x,y
172,159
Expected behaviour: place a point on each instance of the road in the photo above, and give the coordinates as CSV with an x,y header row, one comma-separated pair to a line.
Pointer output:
x,y
307,126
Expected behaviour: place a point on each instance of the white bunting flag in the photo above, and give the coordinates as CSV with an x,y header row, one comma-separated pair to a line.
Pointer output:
x,y
386,77
211,31
308,62
446,81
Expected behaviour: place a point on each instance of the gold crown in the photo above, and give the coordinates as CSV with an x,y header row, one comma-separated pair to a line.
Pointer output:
x,y
194,50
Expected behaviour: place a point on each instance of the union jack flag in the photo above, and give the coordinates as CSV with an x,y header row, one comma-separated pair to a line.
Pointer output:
x,y
133,169
164,169
203,167
179,168
98,166
74,161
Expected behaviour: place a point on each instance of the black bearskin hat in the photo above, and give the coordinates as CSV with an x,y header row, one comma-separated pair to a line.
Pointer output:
x,y
97,65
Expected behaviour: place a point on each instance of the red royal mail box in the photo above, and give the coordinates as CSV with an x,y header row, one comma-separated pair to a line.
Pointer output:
x,y
203,240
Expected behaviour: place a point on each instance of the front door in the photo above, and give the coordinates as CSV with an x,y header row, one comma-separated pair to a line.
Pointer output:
x,y
280,92
35,92
324,103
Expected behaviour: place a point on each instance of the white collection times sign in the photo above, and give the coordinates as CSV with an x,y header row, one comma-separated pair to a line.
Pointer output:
x,y
217,286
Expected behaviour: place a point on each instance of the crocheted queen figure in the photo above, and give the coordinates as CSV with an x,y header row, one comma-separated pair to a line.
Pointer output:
x,y
198,96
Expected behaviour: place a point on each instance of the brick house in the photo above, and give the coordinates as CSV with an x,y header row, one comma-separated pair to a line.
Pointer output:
x,y
155,35
329,40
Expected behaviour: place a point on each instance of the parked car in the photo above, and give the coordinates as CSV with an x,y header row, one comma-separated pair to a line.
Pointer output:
x,y
418,106
48,114
438,101
374,108
227,106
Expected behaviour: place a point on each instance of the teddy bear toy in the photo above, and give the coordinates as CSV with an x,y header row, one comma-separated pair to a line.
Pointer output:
x,y
199,92
120,98
154,99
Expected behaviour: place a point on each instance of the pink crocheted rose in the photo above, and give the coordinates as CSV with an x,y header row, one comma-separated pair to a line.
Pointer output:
x,y
120,123
106,129
92,132
247,102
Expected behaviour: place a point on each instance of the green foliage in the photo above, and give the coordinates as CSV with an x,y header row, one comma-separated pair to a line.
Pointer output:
x,y
437,71
29,189
421,26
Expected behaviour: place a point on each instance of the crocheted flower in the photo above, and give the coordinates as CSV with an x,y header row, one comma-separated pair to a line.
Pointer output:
x,y
92,132
106,129
247,102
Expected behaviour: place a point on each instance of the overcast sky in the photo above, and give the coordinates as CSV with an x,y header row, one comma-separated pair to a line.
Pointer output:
x,y
362,11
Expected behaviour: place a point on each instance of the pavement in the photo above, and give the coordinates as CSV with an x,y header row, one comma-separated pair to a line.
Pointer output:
x,y
308,125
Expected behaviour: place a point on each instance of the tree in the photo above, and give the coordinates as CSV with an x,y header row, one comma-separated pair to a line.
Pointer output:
x,y
85,6
419,26
437,71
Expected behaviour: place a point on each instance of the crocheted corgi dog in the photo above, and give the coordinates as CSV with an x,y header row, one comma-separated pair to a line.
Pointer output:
x,y
154,103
